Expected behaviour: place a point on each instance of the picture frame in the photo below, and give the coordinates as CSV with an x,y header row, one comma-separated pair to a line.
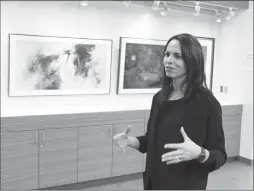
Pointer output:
x,y
140,68
208,45
49,65
136,58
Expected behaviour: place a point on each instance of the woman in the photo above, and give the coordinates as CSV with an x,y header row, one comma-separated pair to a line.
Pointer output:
x,y
184,141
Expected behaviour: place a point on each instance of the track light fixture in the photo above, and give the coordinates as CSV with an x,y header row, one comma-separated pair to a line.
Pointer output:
x,y
231,12
197,9
228,18
218,19
126,3
156,5
84,3
165,9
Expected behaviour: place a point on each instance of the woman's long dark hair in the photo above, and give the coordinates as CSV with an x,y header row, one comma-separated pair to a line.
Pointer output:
x,y
193,58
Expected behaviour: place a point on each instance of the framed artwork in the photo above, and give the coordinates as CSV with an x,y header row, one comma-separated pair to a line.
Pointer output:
x,y
208,51
44,65
140,64
140,68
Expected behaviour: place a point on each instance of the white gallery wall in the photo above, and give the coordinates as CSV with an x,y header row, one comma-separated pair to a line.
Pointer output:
x,y
233,42
100,20
236,38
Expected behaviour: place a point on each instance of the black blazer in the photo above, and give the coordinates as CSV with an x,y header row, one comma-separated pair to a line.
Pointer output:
x,y
204,115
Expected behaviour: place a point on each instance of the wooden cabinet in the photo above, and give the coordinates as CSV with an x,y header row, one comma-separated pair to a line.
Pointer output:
x,y
57,157
231,124
94,152
40,152
131,161
19,160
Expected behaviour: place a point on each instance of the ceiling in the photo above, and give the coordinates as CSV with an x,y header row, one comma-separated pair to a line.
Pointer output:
x,y
207,7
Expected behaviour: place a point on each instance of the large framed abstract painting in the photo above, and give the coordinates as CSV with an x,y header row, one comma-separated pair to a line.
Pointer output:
x,y
43,65
141,68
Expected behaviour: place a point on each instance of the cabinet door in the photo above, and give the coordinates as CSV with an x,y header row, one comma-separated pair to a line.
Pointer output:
x,y
131,161
57,157
19,160
232,131
94,152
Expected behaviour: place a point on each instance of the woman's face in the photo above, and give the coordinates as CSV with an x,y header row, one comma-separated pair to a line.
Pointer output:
x,y
173,62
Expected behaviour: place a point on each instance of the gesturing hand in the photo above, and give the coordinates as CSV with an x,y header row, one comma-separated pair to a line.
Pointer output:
x,y
186,151
122,139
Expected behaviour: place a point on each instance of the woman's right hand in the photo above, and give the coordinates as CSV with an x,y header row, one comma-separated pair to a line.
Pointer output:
x,y
121,139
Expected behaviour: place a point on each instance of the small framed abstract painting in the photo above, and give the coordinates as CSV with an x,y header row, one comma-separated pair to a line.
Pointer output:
x,y
140,65
44,65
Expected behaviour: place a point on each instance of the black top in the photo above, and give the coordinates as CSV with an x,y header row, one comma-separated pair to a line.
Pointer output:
x,y
202,122
168,123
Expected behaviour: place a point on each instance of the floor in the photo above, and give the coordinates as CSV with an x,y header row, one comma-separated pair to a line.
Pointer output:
x,y
233,175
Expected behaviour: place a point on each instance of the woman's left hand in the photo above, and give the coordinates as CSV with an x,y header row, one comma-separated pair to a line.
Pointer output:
x,y
186,151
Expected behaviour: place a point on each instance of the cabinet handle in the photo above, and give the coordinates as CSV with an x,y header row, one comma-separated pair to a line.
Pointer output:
x,y
110,132
36,137
42,142
113,130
